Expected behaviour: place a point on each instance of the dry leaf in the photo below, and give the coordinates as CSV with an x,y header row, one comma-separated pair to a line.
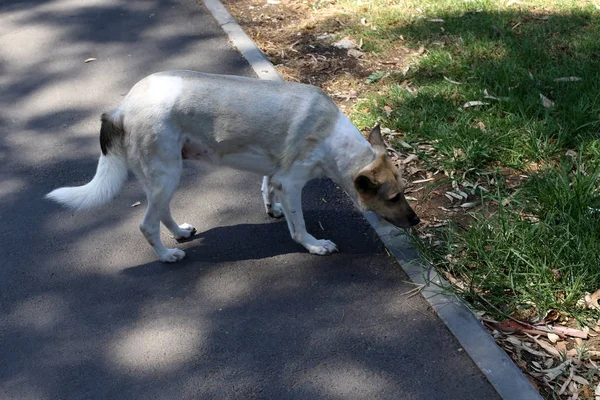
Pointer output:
x,y
456,196
346,43
438,20
563,330
423,180
567,79
553,337
555,372
355,53
410,158
488,96
469,205
564,386
518,343
89,60
451,81
581,380
591,300
474,104
387,110
325,36
546,102
546,346
571,153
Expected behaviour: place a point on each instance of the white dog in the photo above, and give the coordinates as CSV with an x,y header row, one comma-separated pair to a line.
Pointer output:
x,y
288,132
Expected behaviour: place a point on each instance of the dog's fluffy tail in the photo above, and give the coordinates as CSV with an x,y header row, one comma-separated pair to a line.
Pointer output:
x,y
110,174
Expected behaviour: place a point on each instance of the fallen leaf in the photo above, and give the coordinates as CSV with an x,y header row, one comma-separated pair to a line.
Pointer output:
x,y
346,43
518,343
474,104
90,60
410,198
325,36
423,180
451,81
567,79
553,337
374,77
355,53
563,330
571,153
410,158
469,205
137,203
455,195
546,346
438,20
555,372
387,110
581,380
563,388
546,102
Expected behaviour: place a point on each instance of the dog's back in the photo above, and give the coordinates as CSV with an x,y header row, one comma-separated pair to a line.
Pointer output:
x,y
229,113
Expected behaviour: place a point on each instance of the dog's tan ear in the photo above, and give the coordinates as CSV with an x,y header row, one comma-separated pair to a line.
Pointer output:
x,y
364,184
375,137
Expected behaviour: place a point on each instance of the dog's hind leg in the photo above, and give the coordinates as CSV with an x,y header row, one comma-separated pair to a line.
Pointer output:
x,y
160,184
289,190
273,209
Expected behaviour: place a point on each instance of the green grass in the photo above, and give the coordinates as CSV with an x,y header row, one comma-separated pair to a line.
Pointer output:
x,y
541,250
540,253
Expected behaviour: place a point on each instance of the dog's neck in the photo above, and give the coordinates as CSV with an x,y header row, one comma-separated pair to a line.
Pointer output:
x,y
348,152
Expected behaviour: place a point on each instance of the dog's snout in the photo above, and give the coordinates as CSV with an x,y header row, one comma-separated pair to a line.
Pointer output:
x,y
414,220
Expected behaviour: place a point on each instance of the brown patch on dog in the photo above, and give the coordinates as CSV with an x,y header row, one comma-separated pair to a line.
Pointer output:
x,y
109,132
381,189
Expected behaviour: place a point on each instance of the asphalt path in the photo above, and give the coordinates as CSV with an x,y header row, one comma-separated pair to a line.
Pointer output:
x,y
85,310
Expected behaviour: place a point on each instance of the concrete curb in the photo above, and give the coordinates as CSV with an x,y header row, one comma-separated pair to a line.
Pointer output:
x,y
257,60
494,363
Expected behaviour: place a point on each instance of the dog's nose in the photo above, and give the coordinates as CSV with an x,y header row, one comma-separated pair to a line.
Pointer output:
x,y
414,220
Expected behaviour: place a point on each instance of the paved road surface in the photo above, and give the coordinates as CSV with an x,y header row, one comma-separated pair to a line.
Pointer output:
x,y
86,312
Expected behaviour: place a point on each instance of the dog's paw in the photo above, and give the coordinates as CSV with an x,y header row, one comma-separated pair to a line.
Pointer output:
x,y
322,247
186,231
275,211
172,255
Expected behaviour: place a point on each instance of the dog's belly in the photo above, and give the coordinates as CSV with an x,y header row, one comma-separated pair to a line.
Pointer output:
x,y
251,158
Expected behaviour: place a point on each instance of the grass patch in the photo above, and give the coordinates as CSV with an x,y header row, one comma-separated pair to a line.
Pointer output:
x,y
538,254
540,250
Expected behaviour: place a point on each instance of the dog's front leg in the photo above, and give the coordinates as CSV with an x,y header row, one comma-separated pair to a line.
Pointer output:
x,y
273,209
289,192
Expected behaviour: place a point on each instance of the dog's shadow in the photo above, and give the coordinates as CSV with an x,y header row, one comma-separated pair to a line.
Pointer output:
x,y
227,244
347,228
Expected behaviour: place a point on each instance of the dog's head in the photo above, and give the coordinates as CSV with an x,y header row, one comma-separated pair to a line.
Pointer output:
x,y
381,189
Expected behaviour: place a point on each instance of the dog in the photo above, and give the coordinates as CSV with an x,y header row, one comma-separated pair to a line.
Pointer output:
x,y
288,132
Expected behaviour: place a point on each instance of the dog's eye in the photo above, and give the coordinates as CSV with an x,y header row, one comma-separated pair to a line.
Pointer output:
x,y
396,198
